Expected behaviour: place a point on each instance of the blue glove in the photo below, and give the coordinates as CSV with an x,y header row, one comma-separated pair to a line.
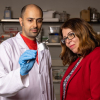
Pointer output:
x,y
26,61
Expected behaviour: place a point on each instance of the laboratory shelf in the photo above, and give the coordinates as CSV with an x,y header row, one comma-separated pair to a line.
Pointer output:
x,y
53,44
56,81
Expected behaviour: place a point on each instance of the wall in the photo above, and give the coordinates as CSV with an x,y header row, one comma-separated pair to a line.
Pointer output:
x,y
72,7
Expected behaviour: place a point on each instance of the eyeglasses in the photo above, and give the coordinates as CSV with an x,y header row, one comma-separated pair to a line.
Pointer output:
x,y
70,37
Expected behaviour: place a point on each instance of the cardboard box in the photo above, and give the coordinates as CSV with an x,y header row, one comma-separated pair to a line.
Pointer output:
x,y
85,14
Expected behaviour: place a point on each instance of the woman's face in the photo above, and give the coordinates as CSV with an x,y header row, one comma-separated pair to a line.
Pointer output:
x,y
73,43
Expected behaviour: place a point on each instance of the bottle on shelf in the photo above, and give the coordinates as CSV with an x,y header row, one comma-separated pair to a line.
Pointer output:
x,y
7,13
93,15
63,16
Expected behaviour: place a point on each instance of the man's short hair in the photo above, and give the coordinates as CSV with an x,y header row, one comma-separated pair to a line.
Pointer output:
x,y
24,8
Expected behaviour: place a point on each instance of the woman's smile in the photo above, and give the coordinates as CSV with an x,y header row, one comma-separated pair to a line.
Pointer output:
x,y
71,46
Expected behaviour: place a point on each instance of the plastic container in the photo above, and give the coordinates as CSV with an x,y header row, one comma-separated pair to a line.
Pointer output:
x,y
5,36
54,29
58,73
7,13
45,39
54,38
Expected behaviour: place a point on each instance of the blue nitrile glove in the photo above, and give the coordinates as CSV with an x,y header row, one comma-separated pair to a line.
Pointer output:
x,y
26,61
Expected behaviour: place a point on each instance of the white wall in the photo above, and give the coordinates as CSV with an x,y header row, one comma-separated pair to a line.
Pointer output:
x,y
73,7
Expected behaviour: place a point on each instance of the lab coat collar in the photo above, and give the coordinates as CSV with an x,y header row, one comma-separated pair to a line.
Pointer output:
x,y
24,47
40,54
20,41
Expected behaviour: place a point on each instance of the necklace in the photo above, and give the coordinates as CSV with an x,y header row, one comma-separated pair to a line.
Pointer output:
x,y
80,59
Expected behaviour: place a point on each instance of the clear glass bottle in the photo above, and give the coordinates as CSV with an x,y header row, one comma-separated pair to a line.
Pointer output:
x,y
7,13
63,16
94,15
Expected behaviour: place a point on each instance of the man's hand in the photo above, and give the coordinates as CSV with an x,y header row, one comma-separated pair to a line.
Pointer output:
x,y
26,61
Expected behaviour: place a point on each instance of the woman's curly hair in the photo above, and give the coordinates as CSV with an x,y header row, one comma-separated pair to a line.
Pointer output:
x,y
88,39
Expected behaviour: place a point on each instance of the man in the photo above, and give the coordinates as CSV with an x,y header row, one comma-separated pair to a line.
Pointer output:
x,y
25,71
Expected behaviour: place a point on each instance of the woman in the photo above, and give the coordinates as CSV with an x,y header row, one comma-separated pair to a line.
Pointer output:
x,y
81,51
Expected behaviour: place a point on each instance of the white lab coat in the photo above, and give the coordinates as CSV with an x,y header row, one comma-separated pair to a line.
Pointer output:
x,y
37,85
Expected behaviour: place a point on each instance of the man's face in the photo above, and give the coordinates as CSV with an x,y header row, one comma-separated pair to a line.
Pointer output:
x,y
31,22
